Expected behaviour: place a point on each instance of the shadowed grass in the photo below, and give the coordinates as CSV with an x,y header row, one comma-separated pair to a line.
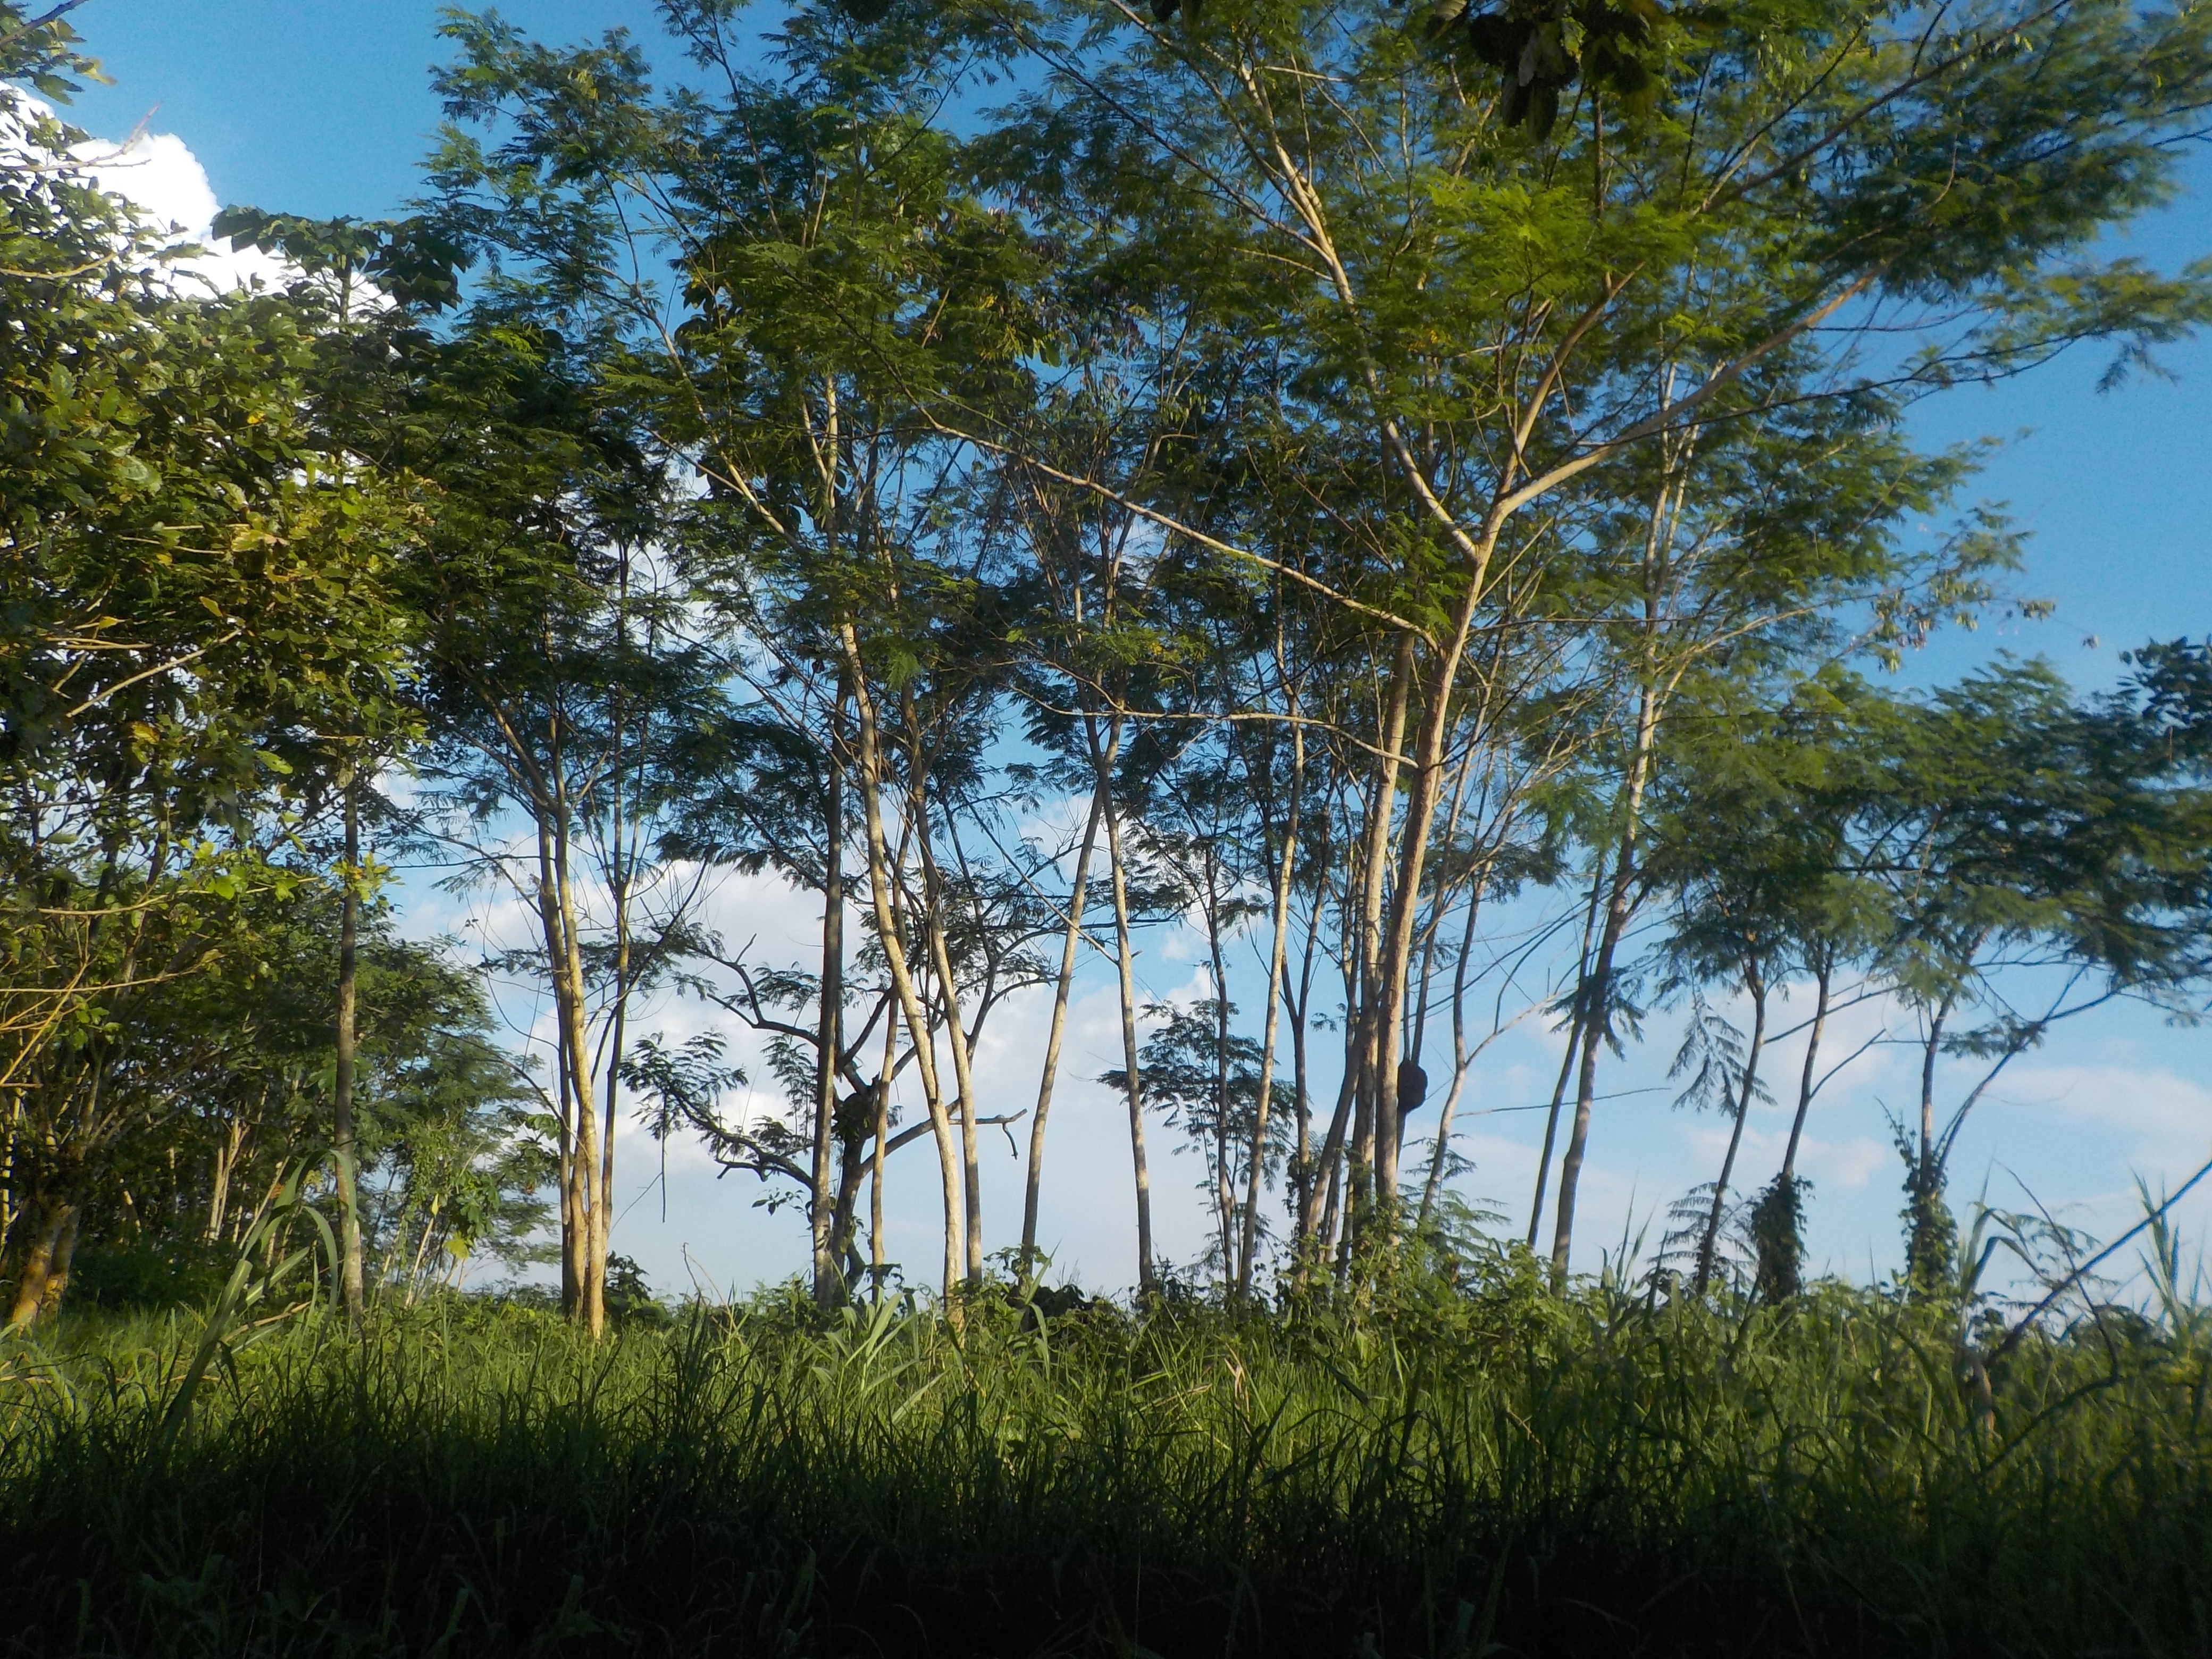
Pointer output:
x,y
1460,1472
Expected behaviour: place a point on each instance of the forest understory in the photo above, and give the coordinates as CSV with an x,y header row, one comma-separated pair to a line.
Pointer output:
x,y
1463,1465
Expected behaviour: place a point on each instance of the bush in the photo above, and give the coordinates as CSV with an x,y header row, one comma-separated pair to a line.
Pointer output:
x,y
149,1274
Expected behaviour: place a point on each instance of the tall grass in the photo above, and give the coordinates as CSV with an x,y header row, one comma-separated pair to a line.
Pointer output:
x,y
1464,1470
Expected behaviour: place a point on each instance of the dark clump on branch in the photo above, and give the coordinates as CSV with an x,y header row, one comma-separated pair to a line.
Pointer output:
x,y
1541,50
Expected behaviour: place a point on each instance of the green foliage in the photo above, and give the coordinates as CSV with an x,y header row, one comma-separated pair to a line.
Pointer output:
x,y
1599,1475
150,1274
1491,435
1777,1237
40,47
194,599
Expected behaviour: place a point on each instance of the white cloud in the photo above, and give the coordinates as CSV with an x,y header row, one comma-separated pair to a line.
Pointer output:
x,y
2169,1117
157,173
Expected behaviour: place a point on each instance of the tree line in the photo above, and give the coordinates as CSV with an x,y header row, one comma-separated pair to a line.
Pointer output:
x,y
1338,478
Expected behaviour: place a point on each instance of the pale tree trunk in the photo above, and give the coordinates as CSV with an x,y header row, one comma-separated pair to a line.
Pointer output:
x,y
877,1263
1271,147
1125,963
565,962
574,1242
1806,1083
45,1271
895,959
602,1216
1598,1001
1070,940
1460,1057
1301,1183
621,873
956,1030
422,1249
963,1082
343,1150
1332,1215
1225,1191
852,1137
1423,798
1930,1050
1709,1244
1311,1226
1575,1023
1284,865
1385,969
57,1272
219,1179
829,1283
1396,957
1371,1041
591,1198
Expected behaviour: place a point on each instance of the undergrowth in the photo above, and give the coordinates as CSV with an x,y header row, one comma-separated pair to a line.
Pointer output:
x,y
1464,1468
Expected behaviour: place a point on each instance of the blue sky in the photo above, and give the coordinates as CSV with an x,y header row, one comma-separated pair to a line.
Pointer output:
x,y
323,107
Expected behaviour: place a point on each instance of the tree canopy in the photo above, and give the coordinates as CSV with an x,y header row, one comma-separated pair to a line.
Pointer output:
x,y
1426,502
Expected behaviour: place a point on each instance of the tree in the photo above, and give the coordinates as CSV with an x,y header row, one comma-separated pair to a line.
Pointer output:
x,y
832,268
363,286
197,586
1482,340
1209,1089
2026,846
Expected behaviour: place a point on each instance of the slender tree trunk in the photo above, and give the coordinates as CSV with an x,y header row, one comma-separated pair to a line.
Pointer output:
x,y
343,1150
571,1220
1657,564
225,1164
11,1214
1375,1042
620,874
1709,1244
1930,1050
1224,1190
882,1130
1125,964
1597,999
1574,1047
617,1029
828,1280
1460,1061
852,1156
1552,1117
963,1081
1333,1140
574,1243
1285,864
1807,1082
895,959
956,1030
1422,800
422,1249
592,1203
1070,940
564,963
1302,1182
1331,1218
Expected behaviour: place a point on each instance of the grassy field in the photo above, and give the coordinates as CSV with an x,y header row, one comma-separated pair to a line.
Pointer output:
x,y
1462,1469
